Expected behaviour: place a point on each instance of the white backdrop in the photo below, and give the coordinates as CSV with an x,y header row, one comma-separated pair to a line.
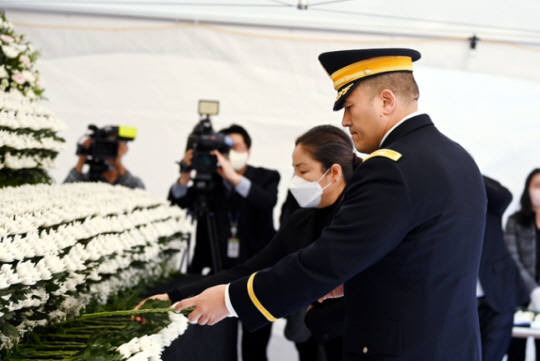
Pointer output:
x,y
151,74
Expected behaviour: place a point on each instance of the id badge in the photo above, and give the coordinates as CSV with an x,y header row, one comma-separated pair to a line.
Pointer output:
x,y
233,247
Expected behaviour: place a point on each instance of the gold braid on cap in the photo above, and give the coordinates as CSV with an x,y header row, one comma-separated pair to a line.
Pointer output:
x,y
364,68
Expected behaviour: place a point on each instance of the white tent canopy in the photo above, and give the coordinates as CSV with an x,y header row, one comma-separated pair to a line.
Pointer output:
x,y
147,64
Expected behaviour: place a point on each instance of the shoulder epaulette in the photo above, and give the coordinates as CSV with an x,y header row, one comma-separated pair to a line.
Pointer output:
x,y
387,153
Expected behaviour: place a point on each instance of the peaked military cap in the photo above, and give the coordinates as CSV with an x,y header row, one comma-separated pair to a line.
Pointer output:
x,y
347,68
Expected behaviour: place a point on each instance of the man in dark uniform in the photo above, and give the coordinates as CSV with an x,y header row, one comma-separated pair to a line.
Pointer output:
x,y
404,249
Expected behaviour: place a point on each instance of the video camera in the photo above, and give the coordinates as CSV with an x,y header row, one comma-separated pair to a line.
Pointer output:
x,y
203,139
104,146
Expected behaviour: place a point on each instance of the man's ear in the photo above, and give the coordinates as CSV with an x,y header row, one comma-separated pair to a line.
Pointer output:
x,y
388,99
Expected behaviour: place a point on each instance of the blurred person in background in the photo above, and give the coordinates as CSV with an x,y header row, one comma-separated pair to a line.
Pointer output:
x,y
103,151
500,288
240,207
522,237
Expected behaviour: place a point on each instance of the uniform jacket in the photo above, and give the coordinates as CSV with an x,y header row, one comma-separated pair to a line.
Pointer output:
x,y
301,228
521,243
499,276
254,215
406,243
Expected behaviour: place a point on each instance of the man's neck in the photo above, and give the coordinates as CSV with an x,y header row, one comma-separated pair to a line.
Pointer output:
x,y
396,124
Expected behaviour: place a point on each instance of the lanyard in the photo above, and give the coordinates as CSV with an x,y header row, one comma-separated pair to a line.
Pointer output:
x,y
234,223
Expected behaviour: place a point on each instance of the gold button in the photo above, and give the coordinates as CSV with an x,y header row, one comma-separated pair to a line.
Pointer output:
x,y
367,71
365,350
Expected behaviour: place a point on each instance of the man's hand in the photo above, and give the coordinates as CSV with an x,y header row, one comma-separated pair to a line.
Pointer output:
x,y
226,170
162,296
116,163
82,157
209,306
185,177
188,157
338,292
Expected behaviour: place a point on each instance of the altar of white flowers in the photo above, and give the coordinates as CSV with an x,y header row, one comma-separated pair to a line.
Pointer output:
x,y
74,258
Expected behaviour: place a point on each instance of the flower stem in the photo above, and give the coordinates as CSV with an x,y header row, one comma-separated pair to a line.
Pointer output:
x,y
126,312
96,327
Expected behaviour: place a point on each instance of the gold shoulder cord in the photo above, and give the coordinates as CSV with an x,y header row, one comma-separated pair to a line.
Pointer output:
x,y
387,153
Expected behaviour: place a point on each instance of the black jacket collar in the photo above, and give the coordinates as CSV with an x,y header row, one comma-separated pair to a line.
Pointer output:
x,y
407,126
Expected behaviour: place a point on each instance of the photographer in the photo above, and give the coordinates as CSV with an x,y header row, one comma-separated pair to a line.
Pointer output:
x,y
240,205
104,157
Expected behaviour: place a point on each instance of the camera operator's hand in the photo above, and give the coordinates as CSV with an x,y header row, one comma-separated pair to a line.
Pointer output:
x,y
185,177
82,157
225,169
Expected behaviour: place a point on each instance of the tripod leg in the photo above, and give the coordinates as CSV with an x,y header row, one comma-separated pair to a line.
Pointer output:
x,y
214,243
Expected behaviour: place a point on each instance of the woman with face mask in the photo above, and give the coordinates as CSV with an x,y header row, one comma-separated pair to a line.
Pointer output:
x,y
323,162
522,238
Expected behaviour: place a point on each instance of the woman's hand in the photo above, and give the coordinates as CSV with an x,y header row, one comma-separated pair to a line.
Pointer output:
x,y
338,292
162,296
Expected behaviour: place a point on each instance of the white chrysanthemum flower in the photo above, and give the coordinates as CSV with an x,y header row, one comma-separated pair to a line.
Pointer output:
x,y
94,275
9,274
57,316
141,356
3,282
54,263
5,254
44,272
28,273
130,347
153,344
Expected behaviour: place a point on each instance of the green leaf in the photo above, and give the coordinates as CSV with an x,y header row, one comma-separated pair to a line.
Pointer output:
x,y
9,330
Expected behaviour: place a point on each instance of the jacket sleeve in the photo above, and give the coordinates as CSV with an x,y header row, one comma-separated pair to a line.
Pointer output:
x,y
267,257
511,240
74,176
263,195
357,238
183,202
130,181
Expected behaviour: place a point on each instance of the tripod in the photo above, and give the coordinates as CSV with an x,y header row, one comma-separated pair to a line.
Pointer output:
x,y
202,212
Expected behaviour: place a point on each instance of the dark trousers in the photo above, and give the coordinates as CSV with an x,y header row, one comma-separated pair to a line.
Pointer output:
x,y
310,351
495,331
518,347
218,343
254,344
205,343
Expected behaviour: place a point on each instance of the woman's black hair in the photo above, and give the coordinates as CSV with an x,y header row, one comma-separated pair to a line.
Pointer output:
x,y
526,216
330,145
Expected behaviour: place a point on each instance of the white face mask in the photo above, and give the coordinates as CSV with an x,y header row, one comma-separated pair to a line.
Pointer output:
x,y
307,194
238,159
